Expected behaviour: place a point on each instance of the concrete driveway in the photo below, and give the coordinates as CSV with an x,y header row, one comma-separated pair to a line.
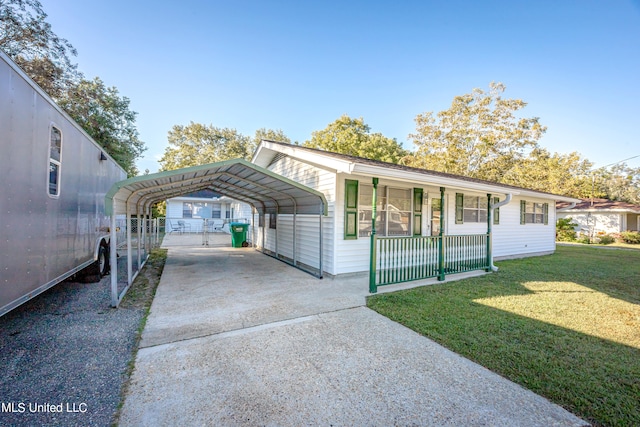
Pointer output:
x,y
237,338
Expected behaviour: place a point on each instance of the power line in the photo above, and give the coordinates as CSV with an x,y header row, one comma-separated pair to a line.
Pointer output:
x,y
615,163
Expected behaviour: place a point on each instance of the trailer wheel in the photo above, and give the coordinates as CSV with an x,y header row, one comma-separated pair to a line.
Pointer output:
x,y
103,261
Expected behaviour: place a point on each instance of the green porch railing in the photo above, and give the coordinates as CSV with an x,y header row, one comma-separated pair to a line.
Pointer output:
x,y
465,253
403,259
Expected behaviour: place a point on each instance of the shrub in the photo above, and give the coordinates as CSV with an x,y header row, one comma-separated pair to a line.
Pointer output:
x,y
585,240
565,230
632,237
607,239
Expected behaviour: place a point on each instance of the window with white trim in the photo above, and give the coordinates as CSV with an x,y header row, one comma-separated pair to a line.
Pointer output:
x,y
198,210
534,213
474,209
55,156
393,210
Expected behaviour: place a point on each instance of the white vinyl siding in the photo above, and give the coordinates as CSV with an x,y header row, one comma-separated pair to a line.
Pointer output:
x,y
511,238
308,240
594,222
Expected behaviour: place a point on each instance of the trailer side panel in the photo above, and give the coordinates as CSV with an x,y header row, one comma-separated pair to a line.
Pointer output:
x,y
53,184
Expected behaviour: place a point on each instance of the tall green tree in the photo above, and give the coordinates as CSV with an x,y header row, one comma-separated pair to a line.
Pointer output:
x,y
354,137
198,144
107,118
479,136
28,39
268,134
618,182
566,174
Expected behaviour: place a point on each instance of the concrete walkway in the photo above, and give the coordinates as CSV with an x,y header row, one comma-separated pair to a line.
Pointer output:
x,y
237,338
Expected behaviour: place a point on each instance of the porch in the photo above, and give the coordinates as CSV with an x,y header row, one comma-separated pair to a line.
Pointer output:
x,y
404,259
407,258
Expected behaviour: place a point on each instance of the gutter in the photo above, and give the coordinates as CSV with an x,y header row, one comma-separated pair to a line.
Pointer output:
x,y
507,199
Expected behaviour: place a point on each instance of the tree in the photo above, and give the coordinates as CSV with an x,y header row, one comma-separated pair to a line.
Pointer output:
x,y
354,137
106,117
555,173
618,182
479,136
269,134
198,144
29,40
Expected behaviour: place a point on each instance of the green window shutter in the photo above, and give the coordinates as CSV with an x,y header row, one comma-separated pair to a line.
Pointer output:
x,y
459,208
350,209
496,212
545,211
417,211
523,208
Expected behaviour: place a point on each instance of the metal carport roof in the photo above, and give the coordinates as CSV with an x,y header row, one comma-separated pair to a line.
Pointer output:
x,y
237,178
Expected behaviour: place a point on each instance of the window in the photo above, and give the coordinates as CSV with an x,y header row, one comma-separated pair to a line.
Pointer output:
x,y
496,211
216,211
534,213
55,150
187,210
393,211
470,209
198,210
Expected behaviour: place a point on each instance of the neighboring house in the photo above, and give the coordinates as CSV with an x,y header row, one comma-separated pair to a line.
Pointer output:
x,y
601,216
410,205
187,213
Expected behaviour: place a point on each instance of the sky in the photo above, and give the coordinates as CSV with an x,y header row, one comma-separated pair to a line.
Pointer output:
x,y
299,65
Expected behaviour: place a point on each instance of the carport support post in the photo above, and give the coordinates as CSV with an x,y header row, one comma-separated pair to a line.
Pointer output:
x,y
294,236
373,288
320,237
264,226
140,223
276,230
129,252
113,257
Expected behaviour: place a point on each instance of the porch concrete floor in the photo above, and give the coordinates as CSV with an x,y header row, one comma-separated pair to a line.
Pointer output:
x,y
237,338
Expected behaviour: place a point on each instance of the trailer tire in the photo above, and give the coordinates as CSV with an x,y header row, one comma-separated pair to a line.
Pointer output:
x,y
98,269
103,261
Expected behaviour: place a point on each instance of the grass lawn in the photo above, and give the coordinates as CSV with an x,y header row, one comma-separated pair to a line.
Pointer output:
x,y
566,326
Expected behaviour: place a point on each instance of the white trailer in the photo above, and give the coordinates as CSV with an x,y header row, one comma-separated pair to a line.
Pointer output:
x,y
53,181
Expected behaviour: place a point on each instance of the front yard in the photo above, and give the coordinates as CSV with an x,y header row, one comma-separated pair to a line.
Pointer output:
x,y
566,326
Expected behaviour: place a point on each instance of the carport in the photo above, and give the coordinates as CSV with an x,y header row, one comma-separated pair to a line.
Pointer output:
x,y
265,191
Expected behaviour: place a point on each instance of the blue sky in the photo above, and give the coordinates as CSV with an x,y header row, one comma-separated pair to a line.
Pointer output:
x,y
299,65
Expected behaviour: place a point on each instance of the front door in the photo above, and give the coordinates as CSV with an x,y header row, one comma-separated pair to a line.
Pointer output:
x,y
436,213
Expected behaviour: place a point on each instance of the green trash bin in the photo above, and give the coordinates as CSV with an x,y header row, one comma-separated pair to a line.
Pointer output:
x,y
238,234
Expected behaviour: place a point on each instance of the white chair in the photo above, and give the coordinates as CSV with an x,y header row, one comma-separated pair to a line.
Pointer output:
x,y
217,224
175,226
184,226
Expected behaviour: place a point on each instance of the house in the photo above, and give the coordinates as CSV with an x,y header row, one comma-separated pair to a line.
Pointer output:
x,y
595,216
188,213
427,223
